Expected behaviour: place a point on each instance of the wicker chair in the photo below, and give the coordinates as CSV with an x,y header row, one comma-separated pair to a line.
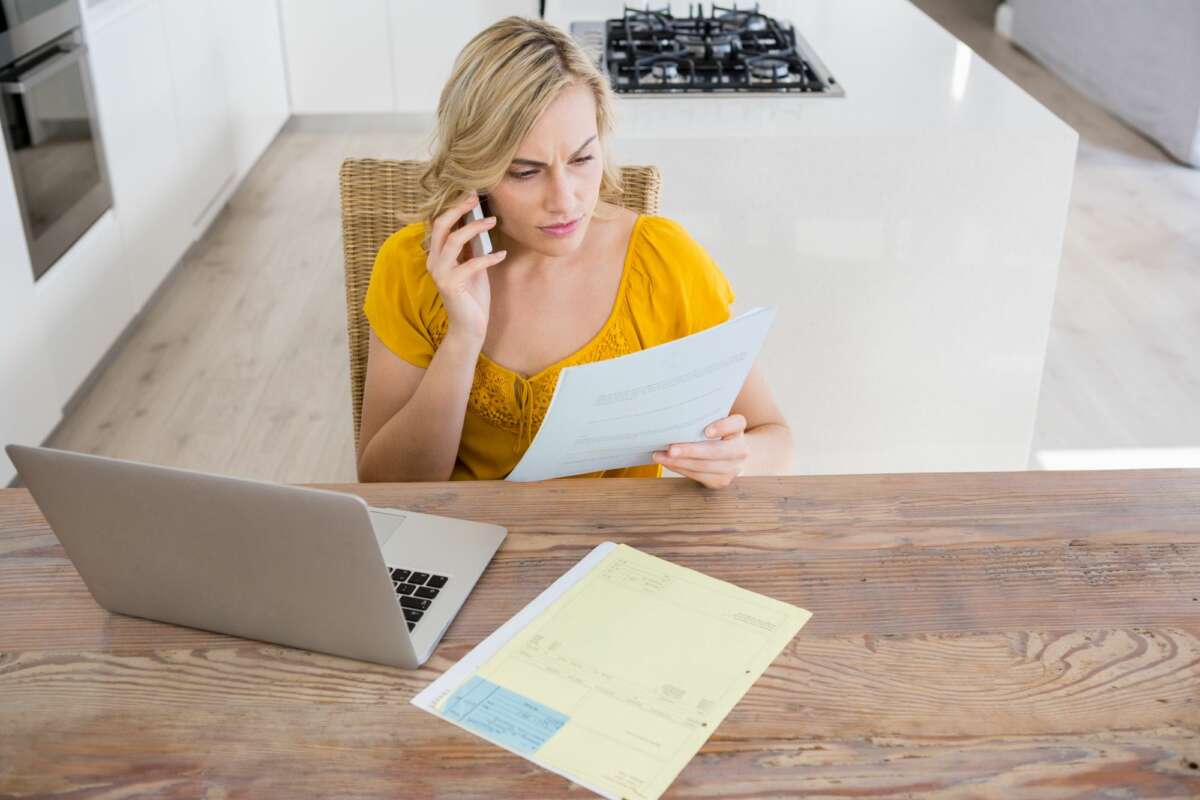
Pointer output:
x,y
374,195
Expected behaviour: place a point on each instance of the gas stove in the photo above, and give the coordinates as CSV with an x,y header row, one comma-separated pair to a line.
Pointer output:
x,y
728,51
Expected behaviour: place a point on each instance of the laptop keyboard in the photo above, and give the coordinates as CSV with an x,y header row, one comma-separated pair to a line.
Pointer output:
x,y
415,591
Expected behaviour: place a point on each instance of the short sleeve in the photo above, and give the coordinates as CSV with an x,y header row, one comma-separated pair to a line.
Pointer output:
x,y
401,296
708,296
685,292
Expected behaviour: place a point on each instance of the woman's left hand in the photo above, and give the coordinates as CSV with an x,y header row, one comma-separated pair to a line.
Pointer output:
x,y
716,462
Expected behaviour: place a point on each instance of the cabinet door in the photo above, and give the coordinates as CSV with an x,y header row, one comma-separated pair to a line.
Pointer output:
x,y
427,37
337,56
251,44
135,101
29,407
83,303
206,161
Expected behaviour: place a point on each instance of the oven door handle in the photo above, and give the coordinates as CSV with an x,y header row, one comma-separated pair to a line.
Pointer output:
x,y
47,69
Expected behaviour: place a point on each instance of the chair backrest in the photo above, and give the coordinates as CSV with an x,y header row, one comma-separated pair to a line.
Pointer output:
x,y
375,194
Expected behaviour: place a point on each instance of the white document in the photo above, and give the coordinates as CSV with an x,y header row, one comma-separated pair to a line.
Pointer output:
x,y
616,413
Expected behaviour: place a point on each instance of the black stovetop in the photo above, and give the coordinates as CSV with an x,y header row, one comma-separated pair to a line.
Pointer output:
x,y
729,49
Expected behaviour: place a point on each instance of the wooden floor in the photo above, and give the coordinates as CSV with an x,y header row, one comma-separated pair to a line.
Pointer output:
x,y
186,390
1122,370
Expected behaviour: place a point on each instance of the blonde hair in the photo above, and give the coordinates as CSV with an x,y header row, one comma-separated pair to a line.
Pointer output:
x,y
501,83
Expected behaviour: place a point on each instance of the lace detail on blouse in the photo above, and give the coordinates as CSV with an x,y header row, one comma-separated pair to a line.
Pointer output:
x,y
517,404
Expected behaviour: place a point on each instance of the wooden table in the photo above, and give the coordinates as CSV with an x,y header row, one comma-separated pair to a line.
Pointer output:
x,y
1002,635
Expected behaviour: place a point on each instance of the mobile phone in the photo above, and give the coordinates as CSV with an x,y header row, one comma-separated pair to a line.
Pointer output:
x,y
481,245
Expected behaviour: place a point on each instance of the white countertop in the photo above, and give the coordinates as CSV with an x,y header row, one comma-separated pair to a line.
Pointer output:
x,y
901,72
910,233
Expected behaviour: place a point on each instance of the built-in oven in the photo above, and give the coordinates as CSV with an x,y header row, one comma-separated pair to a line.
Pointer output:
x,y
50,125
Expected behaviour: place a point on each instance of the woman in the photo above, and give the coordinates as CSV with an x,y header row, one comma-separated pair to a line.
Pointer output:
x,y
465,352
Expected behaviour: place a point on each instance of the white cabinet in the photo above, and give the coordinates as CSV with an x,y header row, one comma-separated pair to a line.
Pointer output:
x,y
54,331
136,104
205,162
189,95
338,56
251,43
380,56
84,303
427,37
26,381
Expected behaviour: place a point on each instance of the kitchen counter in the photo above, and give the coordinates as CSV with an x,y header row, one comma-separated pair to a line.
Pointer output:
x,y
910,233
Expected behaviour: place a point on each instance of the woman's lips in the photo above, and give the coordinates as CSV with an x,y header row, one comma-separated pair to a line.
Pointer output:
x,y
561,230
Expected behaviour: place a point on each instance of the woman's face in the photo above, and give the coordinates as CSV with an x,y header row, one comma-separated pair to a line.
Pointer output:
x,y
547,197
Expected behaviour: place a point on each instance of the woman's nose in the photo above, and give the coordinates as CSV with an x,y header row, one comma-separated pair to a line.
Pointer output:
x,y
560,192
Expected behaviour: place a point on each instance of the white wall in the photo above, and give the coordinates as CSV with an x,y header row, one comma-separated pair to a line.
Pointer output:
x,y
1139,60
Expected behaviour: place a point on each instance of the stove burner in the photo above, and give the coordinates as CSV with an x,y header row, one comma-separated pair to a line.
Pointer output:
x,y
665,70
674,68
647,21
735,20
717,45
665,49
770,68
694,43
722,44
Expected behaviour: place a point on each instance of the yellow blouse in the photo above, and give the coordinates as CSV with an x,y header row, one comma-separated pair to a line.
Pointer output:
x,y
669,288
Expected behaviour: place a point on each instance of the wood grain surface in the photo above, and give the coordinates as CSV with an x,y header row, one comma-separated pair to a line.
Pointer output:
x,y
999,635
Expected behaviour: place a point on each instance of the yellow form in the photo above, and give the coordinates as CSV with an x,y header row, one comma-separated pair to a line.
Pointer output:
x,y
620,680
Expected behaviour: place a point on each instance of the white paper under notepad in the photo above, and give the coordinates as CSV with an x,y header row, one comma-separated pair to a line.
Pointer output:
x,y
458,674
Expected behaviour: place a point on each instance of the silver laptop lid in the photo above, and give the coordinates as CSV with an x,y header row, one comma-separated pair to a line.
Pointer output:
x,y
259,560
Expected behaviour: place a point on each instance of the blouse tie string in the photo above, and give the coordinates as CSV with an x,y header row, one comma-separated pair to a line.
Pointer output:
x,y
525,397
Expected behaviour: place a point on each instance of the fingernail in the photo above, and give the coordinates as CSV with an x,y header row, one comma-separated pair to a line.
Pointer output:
x,y
709,432
674,451
491,220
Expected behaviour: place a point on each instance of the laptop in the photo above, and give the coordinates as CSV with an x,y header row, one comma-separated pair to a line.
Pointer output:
x,y
307,568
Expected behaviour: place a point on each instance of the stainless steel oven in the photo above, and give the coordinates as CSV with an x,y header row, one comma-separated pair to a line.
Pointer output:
x,y
50,126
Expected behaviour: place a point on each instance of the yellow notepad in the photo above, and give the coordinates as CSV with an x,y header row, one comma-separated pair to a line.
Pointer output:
x,y
619,672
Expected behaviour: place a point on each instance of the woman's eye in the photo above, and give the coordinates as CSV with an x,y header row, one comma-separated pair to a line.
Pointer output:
x,y
521,176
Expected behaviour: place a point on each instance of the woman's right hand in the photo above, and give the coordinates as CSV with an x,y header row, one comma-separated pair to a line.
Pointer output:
x,y
461,280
